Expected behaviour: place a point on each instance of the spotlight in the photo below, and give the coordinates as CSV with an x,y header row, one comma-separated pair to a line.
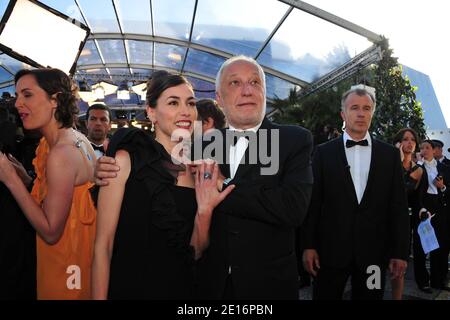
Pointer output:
x,y
123,92
40,36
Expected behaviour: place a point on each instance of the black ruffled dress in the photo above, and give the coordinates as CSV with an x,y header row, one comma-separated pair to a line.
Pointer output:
x,y
152,257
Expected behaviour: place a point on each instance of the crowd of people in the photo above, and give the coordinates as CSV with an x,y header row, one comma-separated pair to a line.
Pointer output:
x,y
139,215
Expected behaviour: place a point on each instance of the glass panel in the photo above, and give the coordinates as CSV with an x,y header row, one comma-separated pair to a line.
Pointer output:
x,y
203,63
92,74
134,16
309,55
142,72
12,64
100,15
10,89
172,18
168,55
68,7
3,5
277,88
5,75
89,55
140,52
112,51
83,106
119,71
202,88
226,24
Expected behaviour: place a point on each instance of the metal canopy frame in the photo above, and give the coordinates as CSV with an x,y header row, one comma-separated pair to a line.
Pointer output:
x,y
363,59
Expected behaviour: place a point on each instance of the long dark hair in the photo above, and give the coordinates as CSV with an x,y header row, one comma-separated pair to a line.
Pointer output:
x,y
56,81
399,136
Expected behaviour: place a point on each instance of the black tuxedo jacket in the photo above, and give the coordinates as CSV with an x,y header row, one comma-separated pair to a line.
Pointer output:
x,y
253,229
446,161
345,232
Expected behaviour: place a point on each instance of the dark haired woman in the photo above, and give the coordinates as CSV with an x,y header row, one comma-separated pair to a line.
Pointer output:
x,y
60,208
150,226
407,141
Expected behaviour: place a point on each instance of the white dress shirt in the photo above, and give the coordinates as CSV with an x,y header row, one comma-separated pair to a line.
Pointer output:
x,y
238,150
432,172
358,158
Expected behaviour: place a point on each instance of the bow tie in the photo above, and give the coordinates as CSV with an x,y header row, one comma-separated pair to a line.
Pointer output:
x,y
351,143
99,148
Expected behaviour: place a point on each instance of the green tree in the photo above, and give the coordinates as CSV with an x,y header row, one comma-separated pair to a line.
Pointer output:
x,y
397,106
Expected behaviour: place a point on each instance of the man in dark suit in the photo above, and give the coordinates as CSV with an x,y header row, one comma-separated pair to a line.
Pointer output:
x,y
98,124
251,252
438,155
357,223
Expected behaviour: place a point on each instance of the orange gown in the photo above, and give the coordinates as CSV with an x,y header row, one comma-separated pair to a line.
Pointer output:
x,y
64,269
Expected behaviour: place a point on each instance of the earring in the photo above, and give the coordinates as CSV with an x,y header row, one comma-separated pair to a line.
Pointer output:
x,y
152,129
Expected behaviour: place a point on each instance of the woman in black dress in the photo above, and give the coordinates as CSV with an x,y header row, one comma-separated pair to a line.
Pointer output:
x,y
150,228
407,141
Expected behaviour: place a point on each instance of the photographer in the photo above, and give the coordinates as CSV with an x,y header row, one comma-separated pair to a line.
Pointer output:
x,y
17,237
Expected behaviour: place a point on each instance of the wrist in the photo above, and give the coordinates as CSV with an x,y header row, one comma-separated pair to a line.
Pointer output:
x,y
13,182
204,211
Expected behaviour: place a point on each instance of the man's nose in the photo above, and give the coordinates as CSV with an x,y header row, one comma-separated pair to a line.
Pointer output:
x,y
247,89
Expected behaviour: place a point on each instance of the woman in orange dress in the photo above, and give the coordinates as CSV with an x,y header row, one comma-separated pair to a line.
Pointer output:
x,y
60,207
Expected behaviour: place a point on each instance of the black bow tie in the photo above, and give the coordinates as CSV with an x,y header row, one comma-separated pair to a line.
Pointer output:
x,y
100,148
351,143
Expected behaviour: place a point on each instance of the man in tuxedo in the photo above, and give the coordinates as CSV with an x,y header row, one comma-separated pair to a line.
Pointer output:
x,y
251,253
357,223
98,124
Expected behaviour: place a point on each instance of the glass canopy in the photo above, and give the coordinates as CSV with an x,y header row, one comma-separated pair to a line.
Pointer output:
x,y
296,44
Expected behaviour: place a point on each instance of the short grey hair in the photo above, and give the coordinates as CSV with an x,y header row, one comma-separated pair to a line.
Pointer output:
x,y
234,59
360,91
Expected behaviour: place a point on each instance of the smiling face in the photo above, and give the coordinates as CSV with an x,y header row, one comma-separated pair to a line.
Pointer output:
x,y
175,109
242,95
35,107
357,115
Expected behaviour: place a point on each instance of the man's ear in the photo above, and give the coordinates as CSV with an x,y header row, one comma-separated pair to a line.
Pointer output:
x,y
219,99
343,115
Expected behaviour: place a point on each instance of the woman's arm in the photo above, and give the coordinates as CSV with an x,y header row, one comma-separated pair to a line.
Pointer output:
x,y
108,211
50,219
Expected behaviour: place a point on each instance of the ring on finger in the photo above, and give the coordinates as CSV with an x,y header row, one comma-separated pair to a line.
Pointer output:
x,y
207,175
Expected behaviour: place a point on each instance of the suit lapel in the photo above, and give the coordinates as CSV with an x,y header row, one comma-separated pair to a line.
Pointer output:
x,y
224,165
348,181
